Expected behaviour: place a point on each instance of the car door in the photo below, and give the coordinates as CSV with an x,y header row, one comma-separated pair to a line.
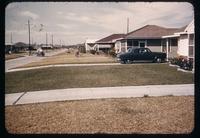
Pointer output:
x,y
135,54
147,54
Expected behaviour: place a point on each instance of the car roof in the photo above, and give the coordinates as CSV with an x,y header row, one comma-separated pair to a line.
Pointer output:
x,y
138,48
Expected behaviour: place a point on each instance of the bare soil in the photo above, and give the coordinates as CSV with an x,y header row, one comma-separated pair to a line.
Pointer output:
x,y
166,115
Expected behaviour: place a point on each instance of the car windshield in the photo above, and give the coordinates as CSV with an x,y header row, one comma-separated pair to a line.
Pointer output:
x,y
130,50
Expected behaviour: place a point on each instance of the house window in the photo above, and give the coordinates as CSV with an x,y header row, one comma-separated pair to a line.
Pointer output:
x,y
191,39
135,43
174,42
191,45
129,43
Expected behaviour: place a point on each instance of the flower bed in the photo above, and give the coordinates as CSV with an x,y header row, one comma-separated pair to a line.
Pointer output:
x,y
182,62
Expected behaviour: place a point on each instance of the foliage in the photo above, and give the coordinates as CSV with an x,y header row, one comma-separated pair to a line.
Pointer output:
x,y
182,62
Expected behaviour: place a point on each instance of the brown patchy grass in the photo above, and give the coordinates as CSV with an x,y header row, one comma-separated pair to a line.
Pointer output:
x,y
14,55
69,58
128,115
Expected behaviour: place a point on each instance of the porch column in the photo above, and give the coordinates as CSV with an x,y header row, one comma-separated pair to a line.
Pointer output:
x,y
126,46
167,48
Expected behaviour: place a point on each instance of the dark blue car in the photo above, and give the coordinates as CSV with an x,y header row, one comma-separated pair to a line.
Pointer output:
x,y
141,54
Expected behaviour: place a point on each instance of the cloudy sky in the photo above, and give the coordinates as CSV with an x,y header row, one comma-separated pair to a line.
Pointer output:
x,y
72,23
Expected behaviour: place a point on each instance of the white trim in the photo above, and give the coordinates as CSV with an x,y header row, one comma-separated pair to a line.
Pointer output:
x,y
142,42
168,36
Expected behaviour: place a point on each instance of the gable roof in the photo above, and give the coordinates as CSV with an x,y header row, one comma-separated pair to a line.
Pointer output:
x,y
110,38
152,31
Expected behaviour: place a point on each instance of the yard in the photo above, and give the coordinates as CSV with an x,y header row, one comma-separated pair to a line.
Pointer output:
x,y
163,115
94,76
15,55
69,58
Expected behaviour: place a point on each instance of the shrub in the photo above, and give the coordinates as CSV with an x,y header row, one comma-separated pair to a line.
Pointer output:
x,y
92,52
182,62
112,53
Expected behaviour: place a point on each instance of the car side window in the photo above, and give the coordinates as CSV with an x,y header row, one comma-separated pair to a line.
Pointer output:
x,y
136,51
141,51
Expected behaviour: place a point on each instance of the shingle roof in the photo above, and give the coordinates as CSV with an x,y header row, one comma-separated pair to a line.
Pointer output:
x,y
152,31
110,38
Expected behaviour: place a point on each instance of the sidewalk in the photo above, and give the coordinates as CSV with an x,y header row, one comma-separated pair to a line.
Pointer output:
x,y
98,93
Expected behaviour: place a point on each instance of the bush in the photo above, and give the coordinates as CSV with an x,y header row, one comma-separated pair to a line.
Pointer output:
x,y
112,53
182,62
92,52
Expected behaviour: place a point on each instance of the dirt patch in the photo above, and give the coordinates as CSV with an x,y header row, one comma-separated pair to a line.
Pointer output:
x,y
128,115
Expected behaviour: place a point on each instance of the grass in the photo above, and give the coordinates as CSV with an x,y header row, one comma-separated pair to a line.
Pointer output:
x,y
94,76
69,58
165,115
15,55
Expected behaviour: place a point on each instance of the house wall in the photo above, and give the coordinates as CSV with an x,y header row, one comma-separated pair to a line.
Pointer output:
x,y
155,48
183,45
154,45
173,52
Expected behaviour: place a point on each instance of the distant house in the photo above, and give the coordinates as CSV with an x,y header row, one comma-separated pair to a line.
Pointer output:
x,y
8,48
17,47
90,44
185,41
151,36
109,42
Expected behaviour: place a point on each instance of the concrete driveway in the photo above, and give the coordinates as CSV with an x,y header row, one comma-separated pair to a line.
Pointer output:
x,y
13,63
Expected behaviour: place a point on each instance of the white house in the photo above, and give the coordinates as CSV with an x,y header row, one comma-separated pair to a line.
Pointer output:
x,y
90,44
185,41
110,42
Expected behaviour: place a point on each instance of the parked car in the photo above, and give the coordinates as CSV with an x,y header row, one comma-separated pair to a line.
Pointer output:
x,y
141,54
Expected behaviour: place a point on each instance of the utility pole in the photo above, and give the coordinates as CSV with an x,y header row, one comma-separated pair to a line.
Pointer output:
x,y
29,36
52,39
127,25
46,41
11,42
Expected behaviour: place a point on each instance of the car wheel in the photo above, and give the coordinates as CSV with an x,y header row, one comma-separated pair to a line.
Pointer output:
x,y
128,62
123,62
158,60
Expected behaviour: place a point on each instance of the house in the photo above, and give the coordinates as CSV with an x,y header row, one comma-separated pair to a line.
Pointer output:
x,y
90,44
109,42
151,36
185,41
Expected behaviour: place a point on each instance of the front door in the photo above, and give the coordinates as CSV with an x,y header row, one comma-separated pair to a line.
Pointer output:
x,y
142,44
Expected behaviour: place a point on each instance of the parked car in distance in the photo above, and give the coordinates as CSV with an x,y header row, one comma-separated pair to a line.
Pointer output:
x,y
141,54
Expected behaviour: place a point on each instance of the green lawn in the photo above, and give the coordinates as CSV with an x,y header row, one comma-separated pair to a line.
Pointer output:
x,y
94,76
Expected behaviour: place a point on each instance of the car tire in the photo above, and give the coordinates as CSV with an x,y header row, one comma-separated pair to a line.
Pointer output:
x,y
123,62
158,60
128,61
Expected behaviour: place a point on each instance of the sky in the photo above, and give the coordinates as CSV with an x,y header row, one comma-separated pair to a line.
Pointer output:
x,y
74,22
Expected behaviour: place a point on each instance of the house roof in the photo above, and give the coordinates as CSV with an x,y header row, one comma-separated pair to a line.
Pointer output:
x,y
110,38
152,31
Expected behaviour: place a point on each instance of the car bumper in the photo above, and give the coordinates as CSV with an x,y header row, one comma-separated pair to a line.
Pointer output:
x,y
118,59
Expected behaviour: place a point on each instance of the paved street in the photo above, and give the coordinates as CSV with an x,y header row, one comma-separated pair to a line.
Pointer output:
x,y
13,63
98,93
